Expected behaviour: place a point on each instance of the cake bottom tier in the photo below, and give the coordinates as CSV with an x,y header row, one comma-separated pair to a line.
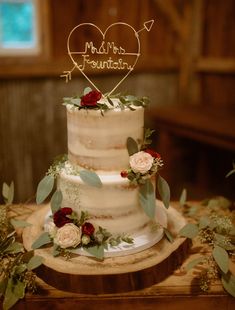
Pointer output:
x,y
113,206
142,240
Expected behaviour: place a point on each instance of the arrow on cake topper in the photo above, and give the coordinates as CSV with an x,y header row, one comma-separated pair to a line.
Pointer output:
x,y
112,55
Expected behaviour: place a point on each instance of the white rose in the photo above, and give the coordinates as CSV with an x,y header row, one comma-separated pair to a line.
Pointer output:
x,y
51,228
141,162
68,236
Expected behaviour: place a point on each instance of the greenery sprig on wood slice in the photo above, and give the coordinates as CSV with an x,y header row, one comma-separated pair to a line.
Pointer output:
x,y
212,226
16,264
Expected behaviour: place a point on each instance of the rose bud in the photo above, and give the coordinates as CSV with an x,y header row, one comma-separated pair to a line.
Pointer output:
x,y
88,229
86,239
124,174
153,153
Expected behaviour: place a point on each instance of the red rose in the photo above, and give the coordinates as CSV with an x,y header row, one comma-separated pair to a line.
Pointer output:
x,y
124,174
153,153
88,229
90,99
60,217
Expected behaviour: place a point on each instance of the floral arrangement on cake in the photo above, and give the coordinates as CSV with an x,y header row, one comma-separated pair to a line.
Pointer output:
x,y
145,163
67,232
91,99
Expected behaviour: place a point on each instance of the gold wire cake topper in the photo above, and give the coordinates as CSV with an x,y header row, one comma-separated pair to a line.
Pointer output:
x,y
113,57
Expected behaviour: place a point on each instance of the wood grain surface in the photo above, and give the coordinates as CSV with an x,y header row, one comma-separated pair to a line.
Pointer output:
x,y
176,292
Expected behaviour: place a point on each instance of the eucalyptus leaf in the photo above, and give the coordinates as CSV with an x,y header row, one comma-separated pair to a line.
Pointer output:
x,y
223,242
3,286
55,250
221,258
183,197
20,268
14,248
228,281
76,101
110,101
56,201
194,263
86,91
132,146
44,188
97,251
168,235
189,231
147,198
43,239
164,191
90,178
9,298
8,192
19,289
204,222
19,223
34,262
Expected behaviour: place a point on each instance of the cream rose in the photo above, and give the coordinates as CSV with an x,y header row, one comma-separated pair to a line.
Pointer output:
x,y
141,162
68,236
51,228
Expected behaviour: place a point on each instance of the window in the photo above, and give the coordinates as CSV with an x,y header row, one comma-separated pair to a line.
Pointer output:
x,y
19,27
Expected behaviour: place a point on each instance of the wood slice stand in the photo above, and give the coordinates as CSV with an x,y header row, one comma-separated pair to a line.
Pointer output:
x,y
87,275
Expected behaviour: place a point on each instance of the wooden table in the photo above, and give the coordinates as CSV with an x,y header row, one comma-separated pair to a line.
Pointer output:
x,y
180,290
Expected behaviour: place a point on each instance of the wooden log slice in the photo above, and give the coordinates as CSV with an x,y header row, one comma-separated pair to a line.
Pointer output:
x,y
84,274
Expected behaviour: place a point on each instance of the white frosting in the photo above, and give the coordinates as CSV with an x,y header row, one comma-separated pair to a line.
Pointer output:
x,y
114,206
99,142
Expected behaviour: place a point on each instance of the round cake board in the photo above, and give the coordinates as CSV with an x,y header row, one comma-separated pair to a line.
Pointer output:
x,y
88,275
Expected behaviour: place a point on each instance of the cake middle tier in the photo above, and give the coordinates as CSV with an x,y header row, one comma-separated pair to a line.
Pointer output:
x,y
114,206
97,141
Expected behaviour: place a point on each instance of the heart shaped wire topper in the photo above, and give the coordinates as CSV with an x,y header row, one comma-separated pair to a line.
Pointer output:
x,y
103,52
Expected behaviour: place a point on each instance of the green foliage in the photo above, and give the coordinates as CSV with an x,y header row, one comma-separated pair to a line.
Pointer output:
x,y
164,191
194,263
147,138
221,257
216,230
19,223
43,239
8,193
44,188
56,201
168,235
86,91
147,198
183,197
34,262
15,277
132,146
97,251
57,165
124,101
189,231
90,178
228,281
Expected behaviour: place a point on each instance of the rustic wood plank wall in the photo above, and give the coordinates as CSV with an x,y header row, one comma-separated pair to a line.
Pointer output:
x,y
188,56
